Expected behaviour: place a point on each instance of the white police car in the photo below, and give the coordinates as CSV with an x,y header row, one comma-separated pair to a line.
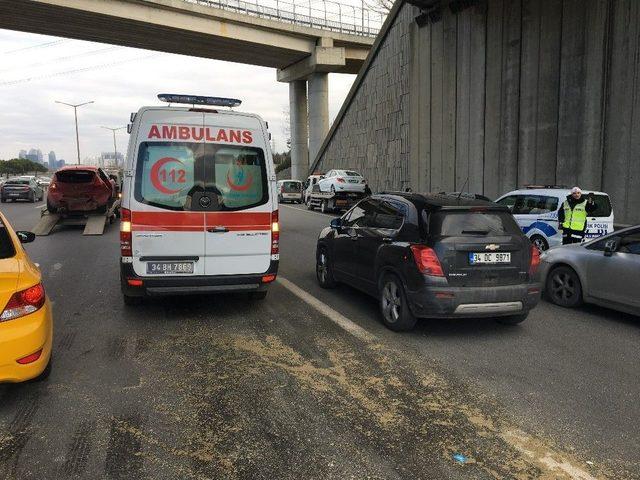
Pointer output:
x,y
536,211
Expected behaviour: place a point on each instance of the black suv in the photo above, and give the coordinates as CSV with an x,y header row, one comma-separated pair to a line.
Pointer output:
x,y
432,256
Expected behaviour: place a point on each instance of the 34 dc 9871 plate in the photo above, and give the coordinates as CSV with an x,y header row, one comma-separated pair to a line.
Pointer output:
x,y
475,258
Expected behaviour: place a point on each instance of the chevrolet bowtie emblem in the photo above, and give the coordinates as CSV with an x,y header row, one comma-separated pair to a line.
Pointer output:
x,y
492,247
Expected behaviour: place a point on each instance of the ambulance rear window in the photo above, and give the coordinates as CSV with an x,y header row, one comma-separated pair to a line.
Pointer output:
x,y
169,174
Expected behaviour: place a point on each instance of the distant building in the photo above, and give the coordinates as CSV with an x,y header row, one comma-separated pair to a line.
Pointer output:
x,y
22,154
60,163
32,155
52,160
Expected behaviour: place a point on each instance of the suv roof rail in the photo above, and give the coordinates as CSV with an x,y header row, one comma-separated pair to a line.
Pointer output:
x,y
532,187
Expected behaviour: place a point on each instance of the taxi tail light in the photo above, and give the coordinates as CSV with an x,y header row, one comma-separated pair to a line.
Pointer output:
x,y
125,233
427,260
340,180
535,260
275,233
30,358
24,303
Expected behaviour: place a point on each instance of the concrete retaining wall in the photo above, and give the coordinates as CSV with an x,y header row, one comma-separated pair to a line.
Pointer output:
x,y
509,93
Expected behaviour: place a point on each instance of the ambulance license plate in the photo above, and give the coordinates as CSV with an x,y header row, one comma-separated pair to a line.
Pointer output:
x,y
169,268
489,258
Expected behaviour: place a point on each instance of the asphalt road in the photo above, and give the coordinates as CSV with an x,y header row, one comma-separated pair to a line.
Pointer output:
x,y
309,384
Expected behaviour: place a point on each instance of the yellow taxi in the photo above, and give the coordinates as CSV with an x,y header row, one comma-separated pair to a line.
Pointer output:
x,y
26,324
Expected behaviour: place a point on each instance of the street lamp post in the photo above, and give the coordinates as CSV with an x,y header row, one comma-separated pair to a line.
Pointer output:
x,y
75,113
115,148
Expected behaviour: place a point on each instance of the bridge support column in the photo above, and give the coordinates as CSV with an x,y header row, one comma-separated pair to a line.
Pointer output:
x,y
318,111
298,127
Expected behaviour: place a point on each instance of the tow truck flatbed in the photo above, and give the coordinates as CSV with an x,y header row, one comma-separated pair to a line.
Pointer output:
x,y
94,222
333,201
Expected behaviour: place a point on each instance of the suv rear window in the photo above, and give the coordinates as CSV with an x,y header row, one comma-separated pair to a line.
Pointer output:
x,y
469,223
17,182
168,174
75,176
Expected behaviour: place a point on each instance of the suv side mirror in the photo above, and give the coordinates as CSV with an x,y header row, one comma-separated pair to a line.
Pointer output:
x,y
611,246
26,237
336,223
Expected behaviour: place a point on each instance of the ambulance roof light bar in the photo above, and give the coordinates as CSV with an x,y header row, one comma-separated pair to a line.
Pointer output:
x,y
199,100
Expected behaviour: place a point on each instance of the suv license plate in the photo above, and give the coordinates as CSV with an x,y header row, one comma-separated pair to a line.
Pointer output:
x,y
169,268
477,258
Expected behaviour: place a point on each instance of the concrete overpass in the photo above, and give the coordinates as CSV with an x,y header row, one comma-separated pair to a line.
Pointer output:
x,y
302,48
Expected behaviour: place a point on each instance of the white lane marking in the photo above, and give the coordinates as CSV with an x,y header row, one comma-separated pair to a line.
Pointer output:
x,y
39,206
307,211
330,313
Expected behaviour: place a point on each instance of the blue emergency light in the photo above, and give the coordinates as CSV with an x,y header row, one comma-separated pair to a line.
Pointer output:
x,y
199,100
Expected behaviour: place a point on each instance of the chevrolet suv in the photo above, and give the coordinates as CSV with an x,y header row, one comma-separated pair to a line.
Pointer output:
x,y
430,255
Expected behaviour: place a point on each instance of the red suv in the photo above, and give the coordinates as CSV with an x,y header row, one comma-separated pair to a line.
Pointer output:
x,y
80,188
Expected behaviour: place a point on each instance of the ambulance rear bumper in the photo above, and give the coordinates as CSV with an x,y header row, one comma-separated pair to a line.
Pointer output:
x,y
192,285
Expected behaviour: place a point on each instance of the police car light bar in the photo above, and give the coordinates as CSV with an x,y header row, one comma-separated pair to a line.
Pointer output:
x,y
199,100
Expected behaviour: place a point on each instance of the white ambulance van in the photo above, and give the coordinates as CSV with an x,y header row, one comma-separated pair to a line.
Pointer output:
x,y
199,205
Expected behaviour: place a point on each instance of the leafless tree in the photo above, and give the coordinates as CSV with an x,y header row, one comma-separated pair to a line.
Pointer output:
x,y
379,6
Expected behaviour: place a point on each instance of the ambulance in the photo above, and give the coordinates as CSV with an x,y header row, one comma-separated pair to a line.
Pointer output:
x,y
199,206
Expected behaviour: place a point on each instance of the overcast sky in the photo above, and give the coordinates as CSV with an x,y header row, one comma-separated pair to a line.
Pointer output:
x,y
36,70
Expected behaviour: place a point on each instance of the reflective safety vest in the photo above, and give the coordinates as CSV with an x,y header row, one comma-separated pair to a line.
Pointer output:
x,y
575,219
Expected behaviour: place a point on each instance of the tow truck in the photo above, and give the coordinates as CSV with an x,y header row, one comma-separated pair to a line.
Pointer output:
x,y
94,222
333,201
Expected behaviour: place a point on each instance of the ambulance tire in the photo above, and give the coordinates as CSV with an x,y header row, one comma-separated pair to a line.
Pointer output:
x,y
130,301
258,295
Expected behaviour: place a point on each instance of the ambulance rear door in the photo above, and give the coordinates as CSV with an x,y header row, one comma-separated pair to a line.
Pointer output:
x,y
238,172
168,231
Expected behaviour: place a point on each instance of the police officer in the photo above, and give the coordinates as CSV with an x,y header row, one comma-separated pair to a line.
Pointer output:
x,y
572,217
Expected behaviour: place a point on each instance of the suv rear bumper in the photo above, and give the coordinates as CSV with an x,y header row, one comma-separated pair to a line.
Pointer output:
x,y
192,285
474,302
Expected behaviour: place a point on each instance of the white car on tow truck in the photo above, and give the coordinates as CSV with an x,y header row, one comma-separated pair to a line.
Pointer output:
x,y
342,181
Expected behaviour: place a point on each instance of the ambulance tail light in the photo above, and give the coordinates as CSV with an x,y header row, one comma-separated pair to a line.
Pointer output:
x,y
275,233
125,233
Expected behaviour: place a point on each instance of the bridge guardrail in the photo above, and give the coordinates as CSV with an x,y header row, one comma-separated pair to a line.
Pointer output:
x,y
333,16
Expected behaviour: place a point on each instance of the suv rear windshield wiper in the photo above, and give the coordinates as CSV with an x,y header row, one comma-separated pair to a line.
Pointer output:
x,y
475,232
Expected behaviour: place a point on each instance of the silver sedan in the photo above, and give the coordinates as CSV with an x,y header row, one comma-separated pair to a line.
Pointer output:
x,y
605,271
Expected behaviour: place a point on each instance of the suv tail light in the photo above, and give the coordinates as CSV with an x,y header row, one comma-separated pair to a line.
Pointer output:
x,y
535,260
24,302
427,260
275,233
125,233
340,180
